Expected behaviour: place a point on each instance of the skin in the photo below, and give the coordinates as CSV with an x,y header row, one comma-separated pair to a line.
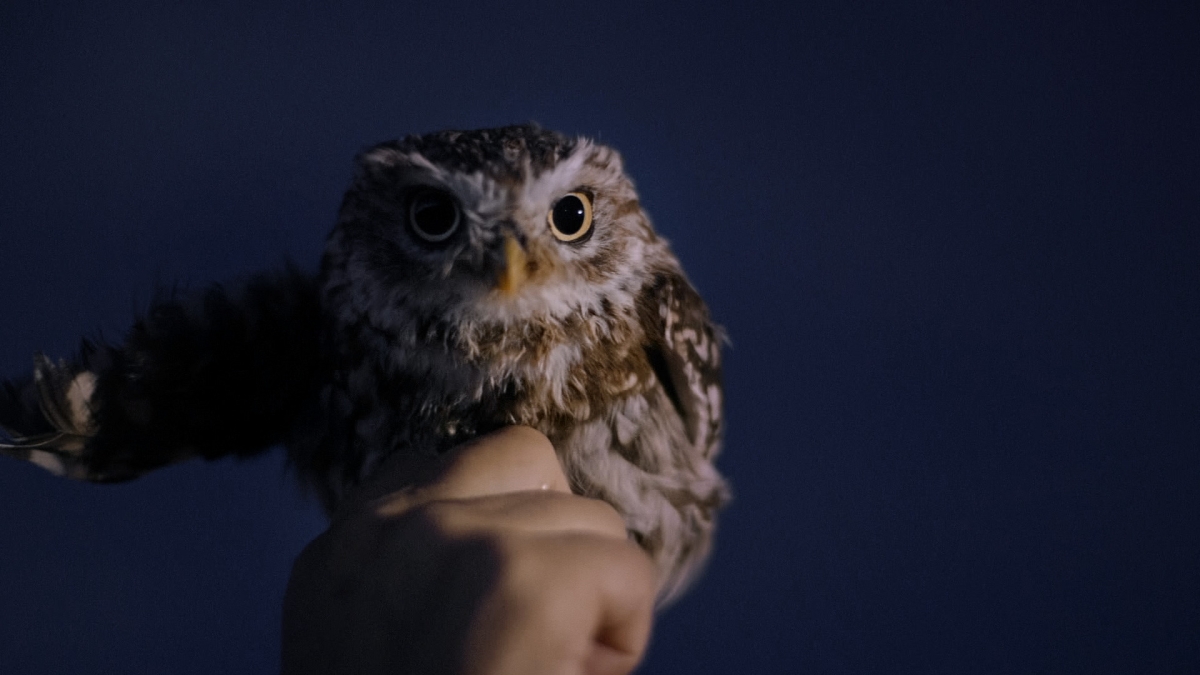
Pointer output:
x,y
480,561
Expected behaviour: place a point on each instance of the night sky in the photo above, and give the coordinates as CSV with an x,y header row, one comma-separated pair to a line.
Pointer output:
x,y
957,251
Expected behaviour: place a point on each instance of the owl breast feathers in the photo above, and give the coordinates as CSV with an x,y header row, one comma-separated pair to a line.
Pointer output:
x,y
474,279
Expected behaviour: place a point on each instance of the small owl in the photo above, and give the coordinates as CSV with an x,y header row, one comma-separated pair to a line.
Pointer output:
x,y
474,279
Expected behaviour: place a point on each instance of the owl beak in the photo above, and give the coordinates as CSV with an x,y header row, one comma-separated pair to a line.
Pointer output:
x,y
513,275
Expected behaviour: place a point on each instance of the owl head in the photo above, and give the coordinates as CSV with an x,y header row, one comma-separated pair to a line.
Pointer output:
x,y
496,224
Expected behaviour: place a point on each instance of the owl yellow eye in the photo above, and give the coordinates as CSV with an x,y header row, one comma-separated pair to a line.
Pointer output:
x,y
433,215
571,217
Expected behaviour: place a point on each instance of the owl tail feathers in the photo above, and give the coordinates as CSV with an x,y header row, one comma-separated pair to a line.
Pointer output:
x,y
48,418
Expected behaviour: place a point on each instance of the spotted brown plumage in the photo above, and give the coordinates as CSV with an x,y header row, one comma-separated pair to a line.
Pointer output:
x,y
449,302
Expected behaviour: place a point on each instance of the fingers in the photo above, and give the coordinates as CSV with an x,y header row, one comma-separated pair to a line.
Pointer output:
x,y
627,595
622,582
482,558
500,601
566,601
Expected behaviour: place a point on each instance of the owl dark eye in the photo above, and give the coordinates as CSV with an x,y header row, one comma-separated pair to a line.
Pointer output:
x,y
433,215
571,217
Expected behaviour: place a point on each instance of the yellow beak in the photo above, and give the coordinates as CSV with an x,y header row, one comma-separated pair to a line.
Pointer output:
x,y
513,274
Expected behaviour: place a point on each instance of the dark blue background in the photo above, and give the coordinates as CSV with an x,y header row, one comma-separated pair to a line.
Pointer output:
x,y
956,250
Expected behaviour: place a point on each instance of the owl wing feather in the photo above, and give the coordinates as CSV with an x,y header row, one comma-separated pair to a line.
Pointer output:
x,y
44,416
219,373
684,350
675,519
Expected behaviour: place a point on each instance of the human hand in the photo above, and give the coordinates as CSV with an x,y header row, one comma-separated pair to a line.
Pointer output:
x,y
478,562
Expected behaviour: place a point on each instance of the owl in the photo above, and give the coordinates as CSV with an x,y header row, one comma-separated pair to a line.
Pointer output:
x,y
473,279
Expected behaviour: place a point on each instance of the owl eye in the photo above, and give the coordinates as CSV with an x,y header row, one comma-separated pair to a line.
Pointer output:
x,y
433,215
571,217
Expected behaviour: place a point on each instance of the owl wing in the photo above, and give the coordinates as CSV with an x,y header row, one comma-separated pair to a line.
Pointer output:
x,y
219,373
684,350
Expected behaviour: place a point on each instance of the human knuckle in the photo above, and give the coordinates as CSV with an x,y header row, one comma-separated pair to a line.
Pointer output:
x,y
603,515
529,447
